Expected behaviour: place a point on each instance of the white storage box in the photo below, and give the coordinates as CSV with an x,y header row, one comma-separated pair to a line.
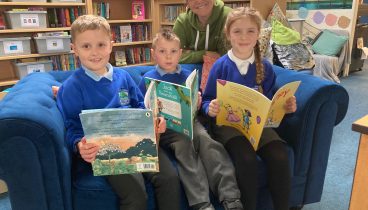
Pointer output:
x,y
15,46
64,1
26,19
23,69
27,0
52,44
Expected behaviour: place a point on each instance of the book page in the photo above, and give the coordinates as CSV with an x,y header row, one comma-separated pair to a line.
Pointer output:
x,y
277,111
126,138
175,105
242,108
193,83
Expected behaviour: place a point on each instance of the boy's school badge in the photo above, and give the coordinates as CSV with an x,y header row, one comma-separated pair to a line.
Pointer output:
x,y
124,97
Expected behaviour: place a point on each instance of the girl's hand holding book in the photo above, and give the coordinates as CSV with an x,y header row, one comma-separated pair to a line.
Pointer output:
x,y
213,108
290,105
87,150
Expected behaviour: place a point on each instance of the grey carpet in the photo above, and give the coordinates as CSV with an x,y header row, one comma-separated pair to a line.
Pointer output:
x,y
343,151
340,170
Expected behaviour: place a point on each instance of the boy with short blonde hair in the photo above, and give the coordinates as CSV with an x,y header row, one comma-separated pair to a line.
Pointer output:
x,y
98,85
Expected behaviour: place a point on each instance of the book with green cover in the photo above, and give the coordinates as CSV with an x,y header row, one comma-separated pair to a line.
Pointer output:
x,y
177,103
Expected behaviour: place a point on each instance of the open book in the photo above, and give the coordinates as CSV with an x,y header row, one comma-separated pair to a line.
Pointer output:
x,y
126,137
248,110
177,103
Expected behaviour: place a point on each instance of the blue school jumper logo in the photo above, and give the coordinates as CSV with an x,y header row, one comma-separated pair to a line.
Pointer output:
x,y
124,97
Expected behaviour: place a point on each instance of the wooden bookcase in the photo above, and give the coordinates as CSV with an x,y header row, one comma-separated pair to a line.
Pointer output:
x,y
8,75
177,7
263,6
120,14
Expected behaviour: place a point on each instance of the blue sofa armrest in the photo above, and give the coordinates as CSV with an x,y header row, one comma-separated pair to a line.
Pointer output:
x,y
321,105
34,161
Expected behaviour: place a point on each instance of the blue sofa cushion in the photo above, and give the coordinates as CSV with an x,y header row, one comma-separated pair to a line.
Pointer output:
x,y
136,72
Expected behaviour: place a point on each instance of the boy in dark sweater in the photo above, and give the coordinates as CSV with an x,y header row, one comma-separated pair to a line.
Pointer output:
x,y
213,165
98,85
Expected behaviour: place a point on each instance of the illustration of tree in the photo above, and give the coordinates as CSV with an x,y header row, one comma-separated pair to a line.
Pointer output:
x,y
109,150
146,147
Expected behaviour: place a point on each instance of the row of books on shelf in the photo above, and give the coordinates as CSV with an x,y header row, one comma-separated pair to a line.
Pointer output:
x,y
237,4
64,17
103,9
132,55
171,12
65,62
131,32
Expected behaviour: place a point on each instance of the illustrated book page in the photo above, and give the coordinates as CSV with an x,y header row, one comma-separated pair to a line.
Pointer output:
x,y
126,138
248,110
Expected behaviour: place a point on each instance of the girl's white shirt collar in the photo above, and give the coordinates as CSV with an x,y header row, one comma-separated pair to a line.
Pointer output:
x,y
242,65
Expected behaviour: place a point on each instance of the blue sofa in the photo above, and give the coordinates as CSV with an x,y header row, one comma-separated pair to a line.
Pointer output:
x,y
36,164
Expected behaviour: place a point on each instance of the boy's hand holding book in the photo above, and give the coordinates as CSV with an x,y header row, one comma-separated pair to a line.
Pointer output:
x,y
199,101
87,150
161,125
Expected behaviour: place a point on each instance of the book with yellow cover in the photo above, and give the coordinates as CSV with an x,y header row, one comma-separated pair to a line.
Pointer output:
x,y
248,110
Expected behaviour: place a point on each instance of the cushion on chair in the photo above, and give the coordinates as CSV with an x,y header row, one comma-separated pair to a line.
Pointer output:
x,y
283,35
277,14
264,40
329,43
293,56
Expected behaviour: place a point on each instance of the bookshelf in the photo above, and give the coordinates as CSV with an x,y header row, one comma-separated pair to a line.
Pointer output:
x,y
119,15
167,10
8,74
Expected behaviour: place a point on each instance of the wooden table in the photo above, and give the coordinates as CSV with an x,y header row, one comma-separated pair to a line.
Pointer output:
x,y
359,193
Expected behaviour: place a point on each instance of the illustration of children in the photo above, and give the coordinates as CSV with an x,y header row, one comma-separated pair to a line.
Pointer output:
x,y
246,118
231,116
270,120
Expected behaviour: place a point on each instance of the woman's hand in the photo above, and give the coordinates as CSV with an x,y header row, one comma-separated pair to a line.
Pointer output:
x,y
87,150
213,108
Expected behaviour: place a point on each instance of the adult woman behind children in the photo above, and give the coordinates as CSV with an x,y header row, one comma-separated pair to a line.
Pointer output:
x,y
200,29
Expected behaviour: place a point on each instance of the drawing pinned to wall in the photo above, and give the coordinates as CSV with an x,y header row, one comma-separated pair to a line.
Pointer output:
x,y
303,12
326,17
331,19
344,22
318,17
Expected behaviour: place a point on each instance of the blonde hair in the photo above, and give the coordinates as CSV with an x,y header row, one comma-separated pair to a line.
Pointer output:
x,y
89,22
167,34
255,17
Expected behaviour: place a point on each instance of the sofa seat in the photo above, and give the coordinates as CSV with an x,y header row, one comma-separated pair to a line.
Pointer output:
x,y
40,174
